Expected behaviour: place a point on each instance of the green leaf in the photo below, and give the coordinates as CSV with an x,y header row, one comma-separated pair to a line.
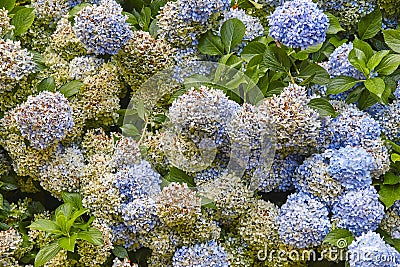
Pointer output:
x,y
120,252
389,64
68,243
323,107
391,179
156,5
392,39
232,33
47,253
319,74
130,130
274,61
359,60
131,18
153,28
141,110
253,49
376,59
23,20
7,4
389,194
71,88
395,157
210,44
336,42
92,235
375,86
303,54
45,225
394,146
73,198
179,176
1,202
366,99
340,84
144,19
47,84
363,46
334,24
341,238
370,25
75,216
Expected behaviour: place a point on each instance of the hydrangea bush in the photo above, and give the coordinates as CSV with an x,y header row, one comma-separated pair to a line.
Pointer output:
x,y
196,133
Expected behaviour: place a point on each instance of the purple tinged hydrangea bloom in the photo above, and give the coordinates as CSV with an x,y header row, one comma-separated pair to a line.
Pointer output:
x,y
370,250
303,221
102,28
44,119
298,24
359,211
352,167
209,254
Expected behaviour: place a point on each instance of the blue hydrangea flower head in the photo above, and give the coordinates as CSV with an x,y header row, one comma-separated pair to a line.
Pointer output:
x,y
352,167
209,254
136,181
298,24
358,211
44,119
351,127
284,169
253,26
370,249
102,28
201,11
140,215
314,179
303,221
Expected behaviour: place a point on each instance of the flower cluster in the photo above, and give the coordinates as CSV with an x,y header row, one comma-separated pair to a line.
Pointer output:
x,y
369,249
16,63
182,21
298,24
303,221
201,255
44,119
102,28
348,12
297,125
4,22
358,211
142,47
